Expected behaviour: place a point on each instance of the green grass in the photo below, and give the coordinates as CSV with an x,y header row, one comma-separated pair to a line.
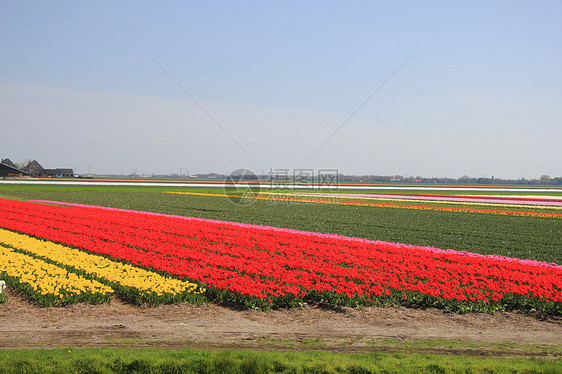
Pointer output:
x,y
156,361
535,238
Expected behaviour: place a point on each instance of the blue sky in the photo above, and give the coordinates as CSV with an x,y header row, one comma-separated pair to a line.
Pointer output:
x,y
480,95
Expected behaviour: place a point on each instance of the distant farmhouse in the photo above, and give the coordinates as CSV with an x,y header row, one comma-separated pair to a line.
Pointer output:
x,y
34,169
8,169
59,173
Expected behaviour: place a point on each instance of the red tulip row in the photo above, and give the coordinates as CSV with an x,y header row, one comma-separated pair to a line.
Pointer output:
x,y
264,266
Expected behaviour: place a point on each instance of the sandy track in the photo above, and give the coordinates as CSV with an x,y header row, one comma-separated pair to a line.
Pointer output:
x,y
24,325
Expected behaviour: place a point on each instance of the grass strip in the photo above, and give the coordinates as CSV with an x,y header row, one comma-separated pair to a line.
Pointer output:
x,y
156,361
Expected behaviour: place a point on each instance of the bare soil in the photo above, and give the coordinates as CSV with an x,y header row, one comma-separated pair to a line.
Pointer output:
x,y
313,327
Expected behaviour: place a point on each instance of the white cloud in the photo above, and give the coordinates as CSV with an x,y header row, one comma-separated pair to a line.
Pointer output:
x,y
96,137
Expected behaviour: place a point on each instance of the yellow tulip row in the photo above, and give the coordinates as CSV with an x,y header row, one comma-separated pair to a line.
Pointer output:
x,y
117,273
50,284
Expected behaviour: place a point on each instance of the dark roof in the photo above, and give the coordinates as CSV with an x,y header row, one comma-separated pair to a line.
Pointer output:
x,y
8,162
34,168
59,171
6,170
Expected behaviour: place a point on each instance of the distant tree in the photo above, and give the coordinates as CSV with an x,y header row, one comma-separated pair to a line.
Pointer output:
x,y
545,179
466,179
23,165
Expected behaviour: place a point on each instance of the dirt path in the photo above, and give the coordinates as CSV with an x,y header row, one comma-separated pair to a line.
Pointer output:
x,y
24,325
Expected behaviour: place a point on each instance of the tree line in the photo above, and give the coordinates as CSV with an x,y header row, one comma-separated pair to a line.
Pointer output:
x,y
465,179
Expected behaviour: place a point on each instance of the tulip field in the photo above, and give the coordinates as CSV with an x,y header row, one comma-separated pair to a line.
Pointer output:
x,y
53,274
59,253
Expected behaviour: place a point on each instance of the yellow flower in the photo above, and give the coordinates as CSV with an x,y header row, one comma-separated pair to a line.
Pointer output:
x,y
101,267
44,278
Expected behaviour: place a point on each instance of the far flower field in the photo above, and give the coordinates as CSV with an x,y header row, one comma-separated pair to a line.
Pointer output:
x,y
165,258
